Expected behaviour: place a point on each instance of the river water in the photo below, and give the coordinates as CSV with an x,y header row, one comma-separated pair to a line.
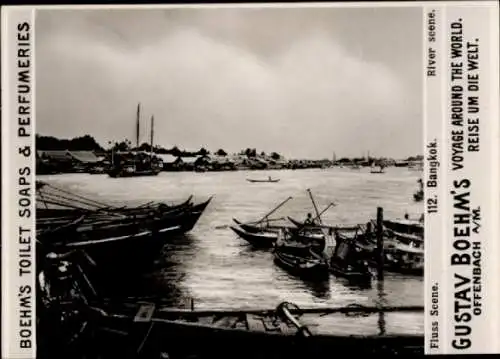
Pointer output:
x,y
217,269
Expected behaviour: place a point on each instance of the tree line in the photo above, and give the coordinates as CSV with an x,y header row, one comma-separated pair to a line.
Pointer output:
x,y
88,143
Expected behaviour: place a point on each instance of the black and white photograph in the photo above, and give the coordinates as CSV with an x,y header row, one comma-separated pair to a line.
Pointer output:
x,y
229,181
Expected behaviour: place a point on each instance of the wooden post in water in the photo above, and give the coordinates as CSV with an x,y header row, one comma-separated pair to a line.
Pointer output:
x,y
380,268
380,243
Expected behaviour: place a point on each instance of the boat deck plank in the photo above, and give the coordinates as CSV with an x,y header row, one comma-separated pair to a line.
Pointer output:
x,y
145,313
255,323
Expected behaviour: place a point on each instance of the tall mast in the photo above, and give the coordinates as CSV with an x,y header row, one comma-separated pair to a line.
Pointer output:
x,y
137,125
152,132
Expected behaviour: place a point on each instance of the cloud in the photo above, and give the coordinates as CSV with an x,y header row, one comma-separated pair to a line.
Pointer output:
x,y
308,99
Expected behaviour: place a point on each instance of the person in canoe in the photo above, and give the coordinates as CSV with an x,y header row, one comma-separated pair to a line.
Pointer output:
x,y
310,220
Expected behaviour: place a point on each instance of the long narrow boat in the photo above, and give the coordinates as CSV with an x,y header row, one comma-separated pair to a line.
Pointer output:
x,y
268,238
257,239
130,170
305,264
258,227
263,181
120,245
284,332
300,224
404,259
63,211
405,226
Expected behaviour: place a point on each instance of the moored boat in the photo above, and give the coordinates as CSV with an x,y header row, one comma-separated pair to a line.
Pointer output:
x,y
318,227
258,226
258,239
407,226
301,259
349,261
404,259
284,332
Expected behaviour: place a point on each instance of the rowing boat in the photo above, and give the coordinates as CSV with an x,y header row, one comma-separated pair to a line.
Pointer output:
x,y
263,181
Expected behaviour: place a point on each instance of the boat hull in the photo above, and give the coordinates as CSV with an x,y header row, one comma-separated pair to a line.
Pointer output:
x,y
259,339
353,276
114,173
260,240
263,181
405,226
312,270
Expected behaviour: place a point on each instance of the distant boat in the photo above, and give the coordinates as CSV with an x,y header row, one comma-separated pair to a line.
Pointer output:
x,y
380,170
133,164
269,180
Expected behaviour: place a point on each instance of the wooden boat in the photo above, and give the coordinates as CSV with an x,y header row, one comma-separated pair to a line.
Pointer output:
x,y
120,244
133,251
309,267
132,171
404,259
183,216
268,238
266,227
318,227
132,164
258,227
411,240
406,226
54,202
354,274
301,259
258,239
263,181
287,331
350,261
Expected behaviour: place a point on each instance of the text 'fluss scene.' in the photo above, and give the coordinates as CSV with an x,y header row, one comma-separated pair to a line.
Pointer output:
x,y
229,182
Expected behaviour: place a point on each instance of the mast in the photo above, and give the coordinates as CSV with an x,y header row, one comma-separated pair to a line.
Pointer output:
x,y
137,125
152,132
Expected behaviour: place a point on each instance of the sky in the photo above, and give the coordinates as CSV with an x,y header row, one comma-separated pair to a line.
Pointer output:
x,y
304,82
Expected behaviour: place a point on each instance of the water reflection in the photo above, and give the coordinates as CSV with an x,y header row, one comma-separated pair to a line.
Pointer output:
x,y
319,289
382,302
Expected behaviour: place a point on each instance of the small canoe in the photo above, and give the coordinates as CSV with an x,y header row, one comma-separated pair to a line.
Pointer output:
x,y
311,266
263,181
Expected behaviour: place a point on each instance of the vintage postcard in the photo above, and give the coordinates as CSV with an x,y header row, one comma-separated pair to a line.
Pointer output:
x,y
250,180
